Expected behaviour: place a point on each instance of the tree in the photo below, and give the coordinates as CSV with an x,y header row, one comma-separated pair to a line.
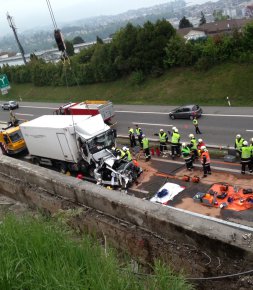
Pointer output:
x,y
99,40
69,48
78,40
202,19
184,23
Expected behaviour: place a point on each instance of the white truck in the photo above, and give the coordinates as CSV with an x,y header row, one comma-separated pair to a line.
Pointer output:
x,y
78,144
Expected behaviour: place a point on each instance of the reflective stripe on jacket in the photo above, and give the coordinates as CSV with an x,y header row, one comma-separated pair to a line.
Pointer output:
x,y
195,122
138,131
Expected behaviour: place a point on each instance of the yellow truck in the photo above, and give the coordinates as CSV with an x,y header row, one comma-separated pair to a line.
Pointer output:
x,y
11,139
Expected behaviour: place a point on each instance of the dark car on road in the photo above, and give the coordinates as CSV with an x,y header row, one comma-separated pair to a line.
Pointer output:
x,y
186,112
10,105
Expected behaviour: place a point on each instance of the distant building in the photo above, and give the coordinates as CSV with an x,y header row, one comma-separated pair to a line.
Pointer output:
x,y
213,28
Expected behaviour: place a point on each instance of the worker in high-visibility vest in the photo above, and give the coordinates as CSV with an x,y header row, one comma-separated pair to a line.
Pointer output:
x,y
127,156
193,145
145,146
163,139
139,134
205,161
131,137
246,157
238,144
186,154
175,143
196,125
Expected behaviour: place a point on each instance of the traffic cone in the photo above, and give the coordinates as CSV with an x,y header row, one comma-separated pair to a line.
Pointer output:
x,y
158,153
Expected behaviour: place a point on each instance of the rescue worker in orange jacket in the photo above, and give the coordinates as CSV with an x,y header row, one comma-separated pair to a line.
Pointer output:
x,y
205,161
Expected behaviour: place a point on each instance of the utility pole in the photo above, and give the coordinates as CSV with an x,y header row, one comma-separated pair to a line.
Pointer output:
x,y
13,27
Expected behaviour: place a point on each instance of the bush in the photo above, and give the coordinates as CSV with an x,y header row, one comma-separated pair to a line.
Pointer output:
x,y
137,78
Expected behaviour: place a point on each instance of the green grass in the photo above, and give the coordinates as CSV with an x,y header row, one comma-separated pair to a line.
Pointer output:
x,y
177,86
38,254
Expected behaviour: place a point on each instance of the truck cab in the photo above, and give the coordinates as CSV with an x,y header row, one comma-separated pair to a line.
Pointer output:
x,y
12,141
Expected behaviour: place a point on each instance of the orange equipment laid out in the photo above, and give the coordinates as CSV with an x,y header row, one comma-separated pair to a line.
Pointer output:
x,y
226,196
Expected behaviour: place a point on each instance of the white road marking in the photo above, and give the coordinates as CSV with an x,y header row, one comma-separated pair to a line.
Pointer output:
x,y
33,107
160,113
20,114
149,124
249,130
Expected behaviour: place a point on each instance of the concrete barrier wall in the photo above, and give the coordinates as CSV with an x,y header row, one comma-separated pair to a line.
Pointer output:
x,y
18,176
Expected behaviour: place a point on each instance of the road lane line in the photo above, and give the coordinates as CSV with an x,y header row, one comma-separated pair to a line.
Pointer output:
x,y
149,124
20,114
249,130
160,113
33,107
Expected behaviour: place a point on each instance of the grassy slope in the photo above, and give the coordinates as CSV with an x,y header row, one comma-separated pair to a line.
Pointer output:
x,y
178,86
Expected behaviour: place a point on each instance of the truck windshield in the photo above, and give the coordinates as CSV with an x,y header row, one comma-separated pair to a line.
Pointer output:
x,y
15,136
101,142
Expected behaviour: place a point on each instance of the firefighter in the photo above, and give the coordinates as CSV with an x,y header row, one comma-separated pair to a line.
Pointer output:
x,y
175,145
145,146
246,157
238,143
196,125
251,150
131,137
205,161
186,154
139,134
127,154
116,152
200,144
13,119
193,145
163,138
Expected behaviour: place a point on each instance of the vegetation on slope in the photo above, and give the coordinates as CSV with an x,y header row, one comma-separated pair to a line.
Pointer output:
x,y
37,254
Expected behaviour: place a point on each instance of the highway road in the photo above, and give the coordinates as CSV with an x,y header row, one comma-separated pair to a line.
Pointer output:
x,y
218,124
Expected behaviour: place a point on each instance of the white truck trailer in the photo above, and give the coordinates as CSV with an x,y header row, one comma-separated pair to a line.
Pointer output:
x,y
77,143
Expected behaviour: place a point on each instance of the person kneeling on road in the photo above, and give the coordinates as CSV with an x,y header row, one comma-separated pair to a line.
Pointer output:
x,y
186,154
246,157
205,160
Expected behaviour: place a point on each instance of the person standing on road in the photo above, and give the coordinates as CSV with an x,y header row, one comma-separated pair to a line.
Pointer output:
x,y
163,139
131,137
246,157
196,125
139,133
251,151
145,146
186,154
205,161
193,146
175,143
238,144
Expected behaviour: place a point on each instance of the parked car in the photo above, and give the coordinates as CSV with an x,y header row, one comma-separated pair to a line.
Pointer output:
x,y
186,112
10,105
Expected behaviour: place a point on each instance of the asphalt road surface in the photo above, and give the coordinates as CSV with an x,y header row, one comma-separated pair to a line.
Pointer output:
x,y
219,125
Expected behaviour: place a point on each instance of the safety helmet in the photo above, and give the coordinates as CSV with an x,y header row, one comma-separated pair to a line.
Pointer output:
x,y
183,144
200,140
191,136
124,148
245,143
113,148
251,139
176,130
173,128
238,136
161,130
202,147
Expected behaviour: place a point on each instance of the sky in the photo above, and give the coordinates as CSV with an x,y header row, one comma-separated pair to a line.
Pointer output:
x,y
34,13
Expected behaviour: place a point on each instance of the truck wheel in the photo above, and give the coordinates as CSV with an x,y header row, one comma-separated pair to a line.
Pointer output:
x,y
36,161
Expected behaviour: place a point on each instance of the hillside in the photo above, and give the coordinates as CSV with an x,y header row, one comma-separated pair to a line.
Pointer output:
x,y
178,86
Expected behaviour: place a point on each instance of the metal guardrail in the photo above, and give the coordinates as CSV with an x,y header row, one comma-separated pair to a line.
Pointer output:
x,y
153,140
